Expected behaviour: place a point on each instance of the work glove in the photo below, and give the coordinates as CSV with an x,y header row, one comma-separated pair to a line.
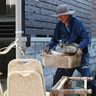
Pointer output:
x,y
47,50
79,52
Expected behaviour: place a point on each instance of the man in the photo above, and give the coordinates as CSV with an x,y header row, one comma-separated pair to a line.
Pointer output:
x,y
71,30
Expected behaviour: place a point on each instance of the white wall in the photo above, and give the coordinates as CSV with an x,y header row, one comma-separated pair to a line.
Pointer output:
x,y
36,48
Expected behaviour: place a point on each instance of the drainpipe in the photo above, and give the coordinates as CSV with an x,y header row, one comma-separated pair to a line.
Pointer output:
x,y
19,31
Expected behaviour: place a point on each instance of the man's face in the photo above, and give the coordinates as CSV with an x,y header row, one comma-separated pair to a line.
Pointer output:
x,y
63,18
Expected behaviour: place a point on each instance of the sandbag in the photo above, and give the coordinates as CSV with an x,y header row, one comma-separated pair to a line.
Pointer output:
x,y
25,84
25,78
61,60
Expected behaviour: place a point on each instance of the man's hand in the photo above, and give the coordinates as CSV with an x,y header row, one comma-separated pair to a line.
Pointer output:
x,y
79,52
47,50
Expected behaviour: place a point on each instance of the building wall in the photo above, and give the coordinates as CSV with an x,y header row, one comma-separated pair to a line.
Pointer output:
x,y
93,18
39,21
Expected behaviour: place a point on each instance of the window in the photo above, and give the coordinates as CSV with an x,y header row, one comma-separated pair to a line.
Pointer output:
x,y
2,7
10,7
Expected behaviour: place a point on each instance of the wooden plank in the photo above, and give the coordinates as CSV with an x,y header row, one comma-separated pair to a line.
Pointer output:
x,y
93,25
39,17
55,2
60,83
71,91
94,1
38,10
42,5
84,2
32,9
48,12
77,6
81,78
38,13
35,31
89,1
53,11
83,14
94,34
85,21
81,4
49,2
34,16
38,24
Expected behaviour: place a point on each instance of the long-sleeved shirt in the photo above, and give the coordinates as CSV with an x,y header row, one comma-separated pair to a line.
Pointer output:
x,y
77,34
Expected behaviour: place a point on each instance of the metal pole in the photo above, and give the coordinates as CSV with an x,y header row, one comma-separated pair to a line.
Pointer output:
x,y
19,30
